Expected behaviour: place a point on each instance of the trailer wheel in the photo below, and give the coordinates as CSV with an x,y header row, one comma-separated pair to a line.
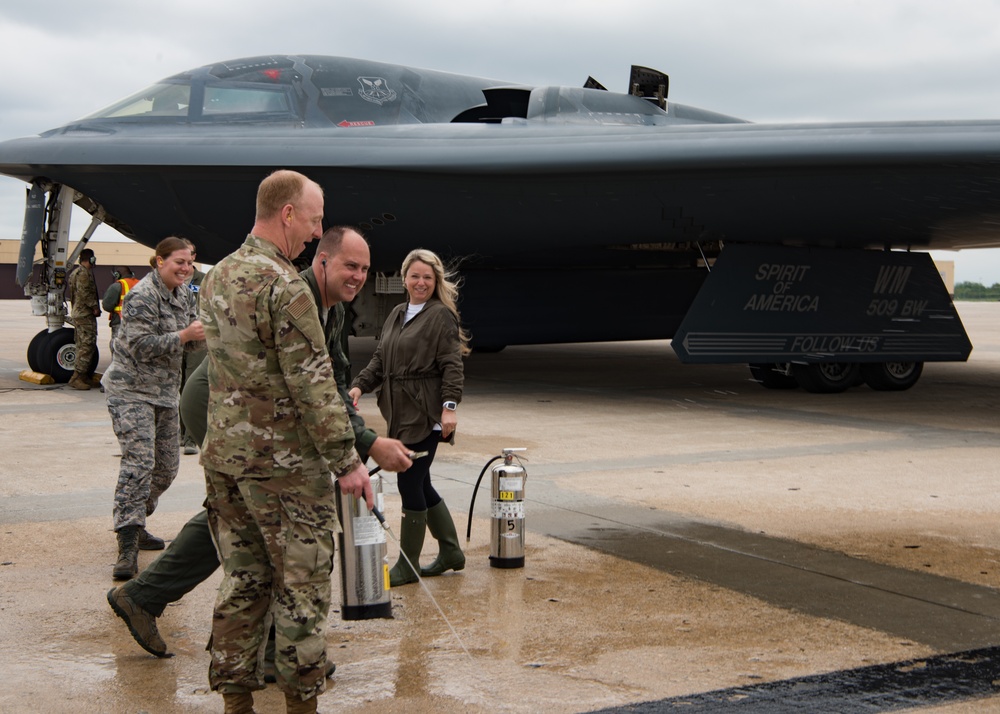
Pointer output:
x,y
826,377
891,376
772,376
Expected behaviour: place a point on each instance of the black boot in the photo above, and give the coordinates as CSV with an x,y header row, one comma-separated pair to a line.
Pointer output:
x,y
127,566
450,555
148,541
411,542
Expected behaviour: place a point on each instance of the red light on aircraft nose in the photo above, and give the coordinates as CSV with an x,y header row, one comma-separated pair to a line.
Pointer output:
x,y
274,74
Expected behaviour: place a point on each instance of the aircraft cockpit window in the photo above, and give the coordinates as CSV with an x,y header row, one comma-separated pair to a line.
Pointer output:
x,y
245,100
165,100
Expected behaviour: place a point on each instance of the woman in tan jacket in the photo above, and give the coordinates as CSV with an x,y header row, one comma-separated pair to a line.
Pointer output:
x,y
417,369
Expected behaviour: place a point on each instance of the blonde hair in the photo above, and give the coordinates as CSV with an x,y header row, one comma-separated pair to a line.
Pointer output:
x,y
445,287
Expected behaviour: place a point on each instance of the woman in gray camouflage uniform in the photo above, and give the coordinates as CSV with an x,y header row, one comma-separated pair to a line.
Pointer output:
x,y
159,323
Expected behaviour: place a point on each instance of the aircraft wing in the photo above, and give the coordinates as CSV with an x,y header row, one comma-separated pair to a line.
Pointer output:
x,y
543,192
496,189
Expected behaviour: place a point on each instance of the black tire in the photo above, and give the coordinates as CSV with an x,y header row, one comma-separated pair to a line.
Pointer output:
x,y
826,377
34,347
772,376
58,355
891,376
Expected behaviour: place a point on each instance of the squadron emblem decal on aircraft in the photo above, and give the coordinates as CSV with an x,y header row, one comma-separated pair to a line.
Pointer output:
x,y
376,90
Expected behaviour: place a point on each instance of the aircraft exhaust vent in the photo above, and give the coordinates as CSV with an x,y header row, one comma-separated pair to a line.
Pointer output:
x,y
649,84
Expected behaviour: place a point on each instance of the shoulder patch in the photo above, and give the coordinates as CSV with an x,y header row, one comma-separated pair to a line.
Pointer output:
x,y
299,306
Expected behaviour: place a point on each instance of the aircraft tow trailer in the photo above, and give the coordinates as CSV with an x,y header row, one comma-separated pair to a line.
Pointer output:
x,y
53,350
823,319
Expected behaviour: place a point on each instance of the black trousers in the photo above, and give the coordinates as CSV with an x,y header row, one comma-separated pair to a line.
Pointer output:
x,y
414,484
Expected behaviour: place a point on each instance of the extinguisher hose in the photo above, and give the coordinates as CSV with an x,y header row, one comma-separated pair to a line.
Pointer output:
x,y
472,504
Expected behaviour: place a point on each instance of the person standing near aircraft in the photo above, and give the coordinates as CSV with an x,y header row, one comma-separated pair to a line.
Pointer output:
x,y
337,274
142,386
191,359
276,429
113,298
86,309
418,368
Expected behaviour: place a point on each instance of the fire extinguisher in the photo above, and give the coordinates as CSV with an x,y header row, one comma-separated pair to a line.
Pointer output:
x,y
506,510
364,567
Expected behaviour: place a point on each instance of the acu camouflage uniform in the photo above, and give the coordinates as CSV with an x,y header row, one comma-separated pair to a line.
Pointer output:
x,y
85,303
276,429
142,386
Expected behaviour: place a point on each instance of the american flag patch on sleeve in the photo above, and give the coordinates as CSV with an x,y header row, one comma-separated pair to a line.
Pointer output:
x,y
299,306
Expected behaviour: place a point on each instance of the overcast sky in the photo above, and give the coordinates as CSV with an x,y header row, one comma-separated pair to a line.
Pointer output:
x,y
765,60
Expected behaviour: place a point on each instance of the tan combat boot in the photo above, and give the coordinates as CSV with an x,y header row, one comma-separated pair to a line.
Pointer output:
x,y
78,381
238,703
294,705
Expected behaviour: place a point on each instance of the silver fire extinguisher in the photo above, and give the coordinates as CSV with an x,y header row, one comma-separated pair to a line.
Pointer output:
x,y
364,567
506,510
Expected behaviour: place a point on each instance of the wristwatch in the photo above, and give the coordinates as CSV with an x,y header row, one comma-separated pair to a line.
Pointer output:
x,y
450,406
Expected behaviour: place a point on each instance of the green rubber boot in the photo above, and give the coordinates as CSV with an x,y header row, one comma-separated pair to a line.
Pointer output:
x,y
411,542
450,555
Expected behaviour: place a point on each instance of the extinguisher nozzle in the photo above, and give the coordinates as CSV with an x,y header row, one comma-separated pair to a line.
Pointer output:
x,y
378,514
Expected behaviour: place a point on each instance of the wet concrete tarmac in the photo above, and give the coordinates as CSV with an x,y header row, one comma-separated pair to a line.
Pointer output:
x,y
695,543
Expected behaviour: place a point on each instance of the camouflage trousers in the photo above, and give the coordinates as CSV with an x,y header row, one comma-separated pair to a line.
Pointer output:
x,y
85,338
275,539
147,435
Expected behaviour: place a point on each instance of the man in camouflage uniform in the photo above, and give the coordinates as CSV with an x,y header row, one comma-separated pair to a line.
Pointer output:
x,y
276,429
86,309
337,274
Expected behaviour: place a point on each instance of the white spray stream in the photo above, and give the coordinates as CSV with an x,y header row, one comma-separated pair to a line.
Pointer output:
x,y
416,570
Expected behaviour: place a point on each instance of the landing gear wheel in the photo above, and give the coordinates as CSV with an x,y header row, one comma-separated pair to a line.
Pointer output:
x,y
826,377
891,376
57,355
34,347
773,376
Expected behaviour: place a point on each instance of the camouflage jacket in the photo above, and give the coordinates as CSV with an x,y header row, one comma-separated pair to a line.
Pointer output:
x,y
333,328
273,406
148,351
84,292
